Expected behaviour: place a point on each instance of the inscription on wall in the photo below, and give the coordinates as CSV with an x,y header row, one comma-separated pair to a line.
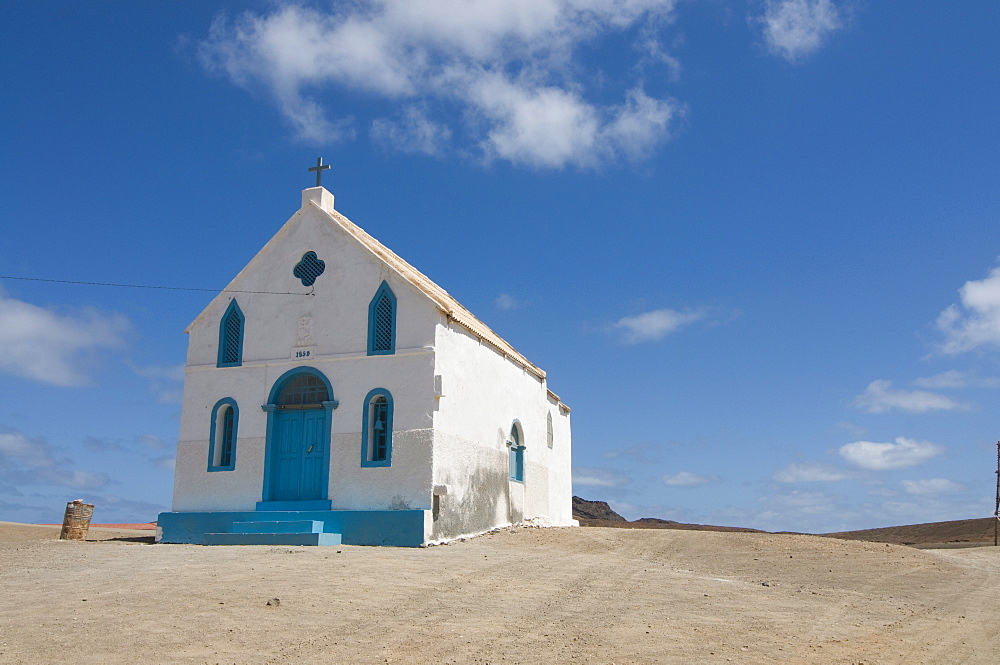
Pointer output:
x,y
303,353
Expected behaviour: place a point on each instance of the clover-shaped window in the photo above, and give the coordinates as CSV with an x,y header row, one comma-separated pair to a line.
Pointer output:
x,y
309,268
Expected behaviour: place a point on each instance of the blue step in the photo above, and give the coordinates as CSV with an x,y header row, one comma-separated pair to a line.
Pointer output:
x,y
290,526
271,539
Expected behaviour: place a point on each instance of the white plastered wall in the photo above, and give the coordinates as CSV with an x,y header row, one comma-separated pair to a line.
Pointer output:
x,y
483,392
332,325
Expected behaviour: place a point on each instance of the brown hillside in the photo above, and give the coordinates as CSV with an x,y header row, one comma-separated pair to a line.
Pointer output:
x,y
956,533
599,513
587,511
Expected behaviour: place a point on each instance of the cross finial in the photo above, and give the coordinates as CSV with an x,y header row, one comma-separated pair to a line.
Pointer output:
x,y
319,168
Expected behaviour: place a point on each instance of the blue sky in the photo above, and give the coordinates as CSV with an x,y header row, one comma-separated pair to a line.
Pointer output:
x,y
754,243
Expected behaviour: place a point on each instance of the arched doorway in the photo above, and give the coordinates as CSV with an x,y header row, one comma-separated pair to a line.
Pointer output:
x,y
299,412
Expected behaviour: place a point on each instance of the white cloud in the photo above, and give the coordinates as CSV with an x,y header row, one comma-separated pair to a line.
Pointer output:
x,y
957,379
932,486
165,381
644,453
506,301
883,456
96,445
541,126
549,127
807,503
17,449
119,446
165,463
976,322
51,346
29,461
596,477
880,397
412,131
639,125
506,67
152,441
657,324
168,372
688,479
808,472
854,430
795,28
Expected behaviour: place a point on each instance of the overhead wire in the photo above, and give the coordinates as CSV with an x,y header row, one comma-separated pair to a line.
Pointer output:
x,y
150,286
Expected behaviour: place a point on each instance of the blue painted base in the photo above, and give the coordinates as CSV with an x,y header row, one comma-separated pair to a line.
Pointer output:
x,y
399,528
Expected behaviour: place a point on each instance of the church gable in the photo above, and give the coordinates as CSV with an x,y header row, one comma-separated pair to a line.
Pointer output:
x,y
314,285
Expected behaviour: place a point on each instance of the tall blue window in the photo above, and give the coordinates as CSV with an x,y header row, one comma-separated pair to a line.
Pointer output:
x,y
382,322
222,435
376,429
516,453
231,337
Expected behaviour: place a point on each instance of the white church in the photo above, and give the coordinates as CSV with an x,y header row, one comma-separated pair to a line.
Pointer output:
x,y
333,393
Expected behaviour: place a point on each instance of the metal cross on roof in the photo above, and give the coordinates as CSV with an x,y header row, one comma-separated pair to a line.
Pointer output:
x,y
319,168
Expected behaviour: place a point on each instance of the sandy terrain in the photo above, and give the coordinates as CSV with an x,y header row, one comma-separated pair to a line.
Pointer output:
x,y
586,595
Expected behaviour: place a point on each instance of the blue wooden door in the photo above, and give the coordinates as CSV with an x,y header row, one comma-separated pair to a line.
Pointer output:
x,y
299,467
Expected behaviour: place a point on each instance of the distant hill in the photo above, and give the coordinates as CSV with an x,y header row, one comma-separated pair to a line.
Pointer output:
x,y
956,533
599,513
594,510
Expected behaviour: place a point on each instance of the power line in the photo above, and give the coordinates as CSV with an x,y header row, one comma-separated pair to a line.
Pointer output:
x,y
148,286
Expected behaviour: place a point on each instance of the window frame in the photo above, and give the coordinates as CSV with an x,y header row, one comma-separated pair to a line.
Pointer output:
x,y
366,427
516,448
231,311
383,291
215,436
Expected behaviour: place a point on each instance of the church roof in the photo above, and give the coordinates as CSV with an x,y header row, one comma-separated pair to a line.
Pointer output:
x,y
322,200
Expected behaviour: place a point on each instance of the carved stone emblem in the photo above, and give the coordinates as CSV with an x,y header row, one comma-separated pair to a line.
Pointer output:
x,y
305,337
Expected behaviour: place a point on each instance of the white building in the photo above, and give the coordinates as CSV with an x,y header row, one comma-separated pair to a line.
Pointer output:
x,y
369,408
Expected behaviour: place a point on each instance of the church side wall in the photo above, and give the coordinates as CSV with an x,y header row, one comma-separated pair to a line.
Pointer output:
x,y
561,468
483,393
478,496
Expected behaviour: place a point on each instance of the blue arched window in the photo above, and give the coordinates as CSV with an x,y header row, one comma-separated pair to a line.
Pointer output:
x,y
382,322
231,337
376,429
222,435
516,446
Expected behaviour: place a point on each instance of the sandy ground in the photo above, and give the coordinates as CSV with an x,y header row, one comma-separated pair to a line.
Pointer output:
x,y
585,595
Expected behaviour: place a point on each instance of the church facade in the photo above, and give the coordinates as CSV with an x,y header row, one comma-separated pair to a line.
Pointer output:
x,y
333,393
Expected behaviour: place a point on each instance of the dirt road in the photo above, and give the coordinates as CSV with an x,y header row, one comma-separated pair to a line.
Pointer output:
x,y
585,595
